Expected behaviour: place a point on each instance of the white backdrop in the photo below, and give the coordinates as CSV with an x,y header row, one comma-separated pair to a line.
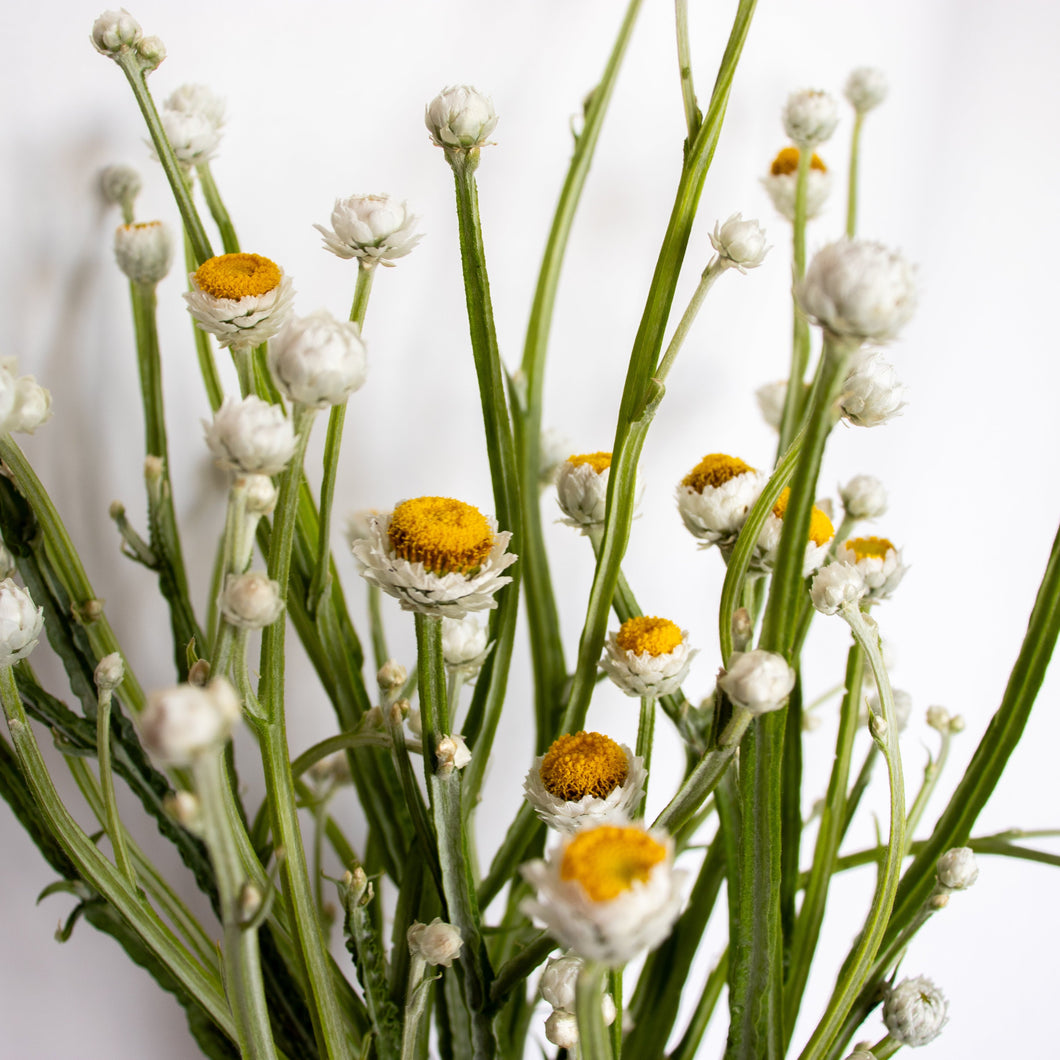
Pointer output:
x,y
325,99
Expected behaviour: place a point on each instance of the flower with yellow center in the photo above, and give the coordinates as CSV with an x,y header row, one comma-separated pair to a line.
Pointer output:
x,y
648,656
436,556
241,299
584,778
819,539
581,489
780,181
878,562
715,497
609,892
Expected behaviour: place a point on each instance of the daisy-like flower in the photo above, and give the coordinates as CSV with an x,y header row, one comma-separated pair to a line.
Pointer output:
x,y
872,394
241,299
144,251
375,229
740,244
460,117
877,561
866,88
436,556
251,436
21,623
581,489
317,360
781,179
915,1011
608,893
864,497
715,497
648,656
820,537
465,645
759,681
810,117
583,778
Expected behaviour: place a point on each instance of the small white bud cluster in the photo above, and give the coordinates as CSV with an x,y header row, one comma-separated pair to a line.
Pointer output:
x,y
251,600
810,117
836,586
182,723
116,33
866,88
914,1012
24,403
864,497
193,117
251,436
957,869
460,117
144,251
740,244
21,623
451,752
558,987
940,719
872,394
437,943
374,229
759,681
317,360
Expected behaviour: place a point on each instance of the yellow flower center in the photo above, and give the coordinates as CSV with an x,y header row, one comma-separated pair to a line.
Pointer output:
x,y
608,860
599,462
821,529
715,469
140,226
583,763
238,276
656,636
870,547
787,161
442,534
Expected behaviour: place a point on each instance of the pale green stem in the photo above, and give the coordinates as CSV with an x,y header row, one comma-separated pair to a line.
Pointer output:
x,y
706,281
203,349
645,739
852,183
217,209
932,772
615,982
593,1039
343,742
106,782
684,65
415,1003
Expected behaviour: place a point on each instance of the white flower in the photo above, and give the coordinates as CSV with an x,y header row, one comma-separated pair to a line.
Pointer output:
x,y
460,116
200,100
144,251
359,524
242,299
877,560
180,724
581,489
835,586
317,360
740,244
903,705
864,497
608,893
193,137
559,981
21,623
251,436
858,290
32,408
866,88
120,185
781,180
817,545
715,497
437,556
251,600
759,681
465,645
914,1012
375,229
956,869
872,394
115,30
451,753
647,656
810,117
436,942
585,778
561,1027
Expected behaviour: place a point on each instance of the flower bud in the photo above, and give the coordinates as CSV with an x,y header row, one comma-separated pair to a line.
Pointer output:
x,y
866,88
110,670
114,31
903,706
460,117
451,753
957,869
581,488
872,394
836,586
863,497
770,398
740,244
152,52
559,981
186,809
144,252
21,623
180,724
199,672
464,645
32,408
194,138
200,100
437,943
251,436
260,494
759,681
374,229
317,360
392,676
914,1012
251,600
938,718
120,185
810,117
561,1029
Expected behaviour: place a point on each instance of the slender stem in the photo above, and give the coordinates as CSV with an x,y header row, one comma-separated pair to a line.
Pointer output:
x,y
218,211
593,1039
684,65
645,739
203,349
415,1004
688,1047
932,772
706,281
614,981
852,182
519,968
106,782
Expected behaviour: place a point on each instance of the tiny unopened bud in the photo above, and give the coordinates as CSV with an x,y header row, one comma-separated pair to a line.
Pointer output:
x,y
559,981
251,600
144,252
740,244
878,726
742,628
397,714
864,497
114,31
152,52
116,510
184,807
957,869
957,723
261,494
451,753
250,899
109,672
392,676
154,468
460,117
32,406
760,681
437,943
199,672
938,901
914,1012
939,718
90,611
561,1029
120,185
372,719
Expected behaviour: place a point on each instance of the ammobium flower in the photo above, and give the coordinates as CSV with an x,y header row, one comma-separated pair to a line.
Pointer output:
x,y
715,497
647,656
242,299
759,681
835,586
781,179
740,244
820,537
375,229
810,117
608,893
581,488
858,290
317,360
436,942
437,556
864,497
180,724
120,185
872,394
32,405
914,1012
21,623
194,138
465,645
251,436
144,251
957,870
866,88
460,117
584,778
114,31
200,100
877,561
251,600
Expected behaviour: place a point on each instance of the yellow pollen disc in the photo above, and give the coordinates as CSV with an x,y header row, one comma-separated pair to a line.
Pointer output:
x,y
608,860
656,636
442,534
599,462
787,161
715,469
238,276
585,763
821,529
139,226
866,547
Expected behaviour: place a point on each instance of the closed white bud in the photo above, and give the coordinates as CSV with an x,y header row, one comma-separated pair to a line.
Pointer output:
x,y
464,644
374,229
740,244
200,100
460,116
152,52
559,981
251,436
957,869
110,670
810,117
251,600
938,718
193,137
759,681
21,623
872,394
120,185
250,899
115,30
144,252
914,1012
261,495
391,676
32,407
866,88
561,1029
180,724
186,809
317,360
451,753
436,942
835,586
864,497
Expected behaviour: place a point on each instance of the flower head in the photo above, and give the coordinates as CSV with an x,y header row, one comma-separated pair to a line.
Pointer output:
x,y
317,360
115,31
648,656
957,870
817,545
375,229
864,497
740,244
193,137
197,99
465,645
120,185
251,600
460,117
872,394
866,88
21,623
144,251
251,436
858,291
782,177
877,561
581,488
759,681
836,586
181,724
437,556
609,892
810,117
583,778
241,299
436,942
32,406
715,497
914,1012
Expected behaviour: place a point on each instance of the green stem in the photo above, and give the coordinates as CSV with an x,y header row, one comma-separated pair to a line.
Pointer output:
x,y
106,782
645,739
519,968
688,1047
684,326
684,66
204,351
229,239
593,1039
852,183
932,772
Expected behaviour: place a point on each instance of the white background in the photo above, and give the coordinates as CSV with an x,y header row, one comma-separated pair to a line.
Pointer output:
x,y
325,99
